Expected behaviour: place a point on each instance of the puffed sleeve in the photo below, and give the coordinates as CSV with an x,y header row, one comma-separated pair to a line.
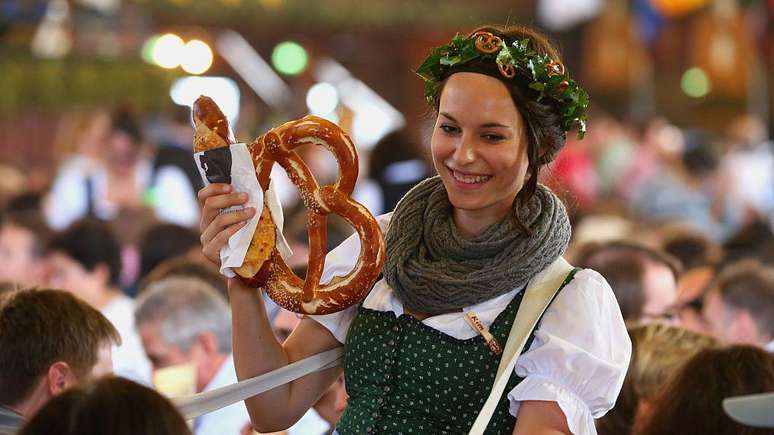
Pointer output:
x,y
339,262
579,356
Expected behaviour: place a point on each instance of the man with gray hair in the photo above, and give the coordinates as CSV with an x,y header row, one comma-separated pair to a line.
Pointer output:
x,y
185,327
739,306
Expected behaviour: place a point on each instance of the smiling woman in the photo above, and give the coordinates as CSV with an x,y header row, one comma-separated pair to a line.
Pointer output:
x,y
424,346
480,155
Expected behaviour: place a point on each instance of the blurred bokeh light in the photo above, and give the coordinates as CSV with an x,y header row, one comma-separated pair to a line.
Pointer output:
x,y
289,58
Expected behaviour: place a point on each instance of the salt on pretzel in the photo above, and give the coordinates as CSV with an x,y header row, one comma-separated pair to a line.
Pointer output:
x,y
281,284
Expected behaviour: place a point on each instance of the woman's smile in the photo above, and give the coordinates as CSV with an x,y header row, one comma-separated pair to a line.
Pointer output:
x,y
465,180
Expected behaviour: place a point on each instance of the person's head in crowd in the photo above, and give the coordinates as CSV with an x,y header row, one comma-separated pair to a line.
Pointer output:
x,y
690,246
23,239
85,259
644,280
754,240
49,340
187,267
165,241
658,351
699,257
185,322
124,142
8,287
397,164
739,307
108,406
746,130
691,401
700,157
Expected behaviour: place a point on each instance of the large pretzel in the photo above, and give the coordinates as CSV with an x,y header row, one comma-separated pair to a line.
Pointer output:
x,y
281,284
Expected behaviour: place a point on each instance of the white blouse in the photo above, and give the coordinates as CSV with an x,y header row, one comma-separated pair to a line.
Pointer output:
x,y
579,356
175,199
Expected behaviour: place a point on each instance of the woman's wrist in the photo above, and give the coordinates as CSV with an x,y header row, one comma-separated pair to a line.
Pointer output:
x,y
237,287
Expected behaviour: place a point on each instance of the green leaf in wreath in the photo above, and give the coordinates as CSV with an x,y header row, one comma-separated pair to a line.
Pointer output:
x,y
504,57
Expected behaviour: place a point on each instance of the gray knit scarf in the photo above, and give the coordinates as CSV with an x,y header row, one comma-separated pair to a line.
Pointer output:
x,y
434,270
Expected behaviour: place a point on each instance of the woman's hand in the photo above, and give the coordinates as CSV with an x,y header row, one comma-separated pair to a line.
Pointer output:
x,y
216,228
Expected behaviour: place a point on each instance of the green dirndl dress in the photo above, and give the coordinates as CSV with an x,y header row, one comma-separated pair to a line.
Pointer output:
x,y
403,376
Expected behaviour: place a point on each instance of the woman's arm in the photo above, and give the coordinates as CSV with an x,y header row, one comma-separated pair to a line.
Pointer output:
x,y
540,418
256,349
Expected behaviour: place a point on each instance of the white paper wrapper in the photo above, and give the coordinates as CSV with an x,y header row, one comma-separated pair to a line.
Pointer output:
x,y
275,208
234,165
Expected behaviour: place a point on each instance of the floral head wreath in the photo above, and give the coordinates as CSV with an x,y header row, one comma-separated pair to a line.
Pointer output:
x,y
546,76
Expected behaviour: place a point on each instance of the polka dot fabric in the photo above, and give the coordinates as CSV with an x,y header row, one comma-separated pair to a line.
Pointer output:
x,y
405,377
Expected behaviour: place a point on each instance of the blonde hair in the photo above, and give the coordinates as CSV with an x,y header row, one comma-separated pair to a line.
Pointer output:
x,y
658,352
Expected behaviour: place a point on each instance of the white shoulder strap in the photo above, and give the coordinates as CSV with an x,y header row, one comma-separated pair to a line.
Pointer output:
x,y
205,402
538,295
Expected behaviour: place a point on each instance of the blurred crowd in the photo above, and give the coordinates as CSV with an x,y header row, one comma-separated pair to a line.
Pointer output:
x,y
678,221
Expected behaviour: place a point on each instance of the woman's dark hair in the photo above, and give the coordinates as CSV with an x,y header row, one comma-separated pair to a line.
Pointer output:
x,y
754,240
124,120
690,246
543,118
90,242
111,405
700,157
691,401
164,241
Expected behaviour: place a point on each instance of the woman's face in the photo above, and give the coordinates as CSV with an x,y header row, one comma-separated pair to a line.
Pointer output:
x,y
479,145
122,149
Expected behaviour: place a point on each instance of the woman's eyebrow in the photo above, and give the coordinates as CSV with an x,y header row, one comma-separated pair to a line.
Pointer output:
x,y
494,124
487,125
446,115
